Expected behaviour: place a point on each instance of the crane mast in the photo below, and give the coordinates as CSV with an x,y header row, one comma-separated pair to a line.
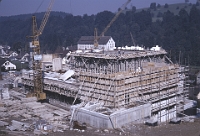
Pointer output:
x,y
111,22
37,57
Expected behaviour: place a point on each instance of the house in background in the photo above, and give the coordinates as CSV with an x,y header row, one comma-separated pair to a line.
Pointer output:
x,y
8,65
104,42
2,51
12,54
25,57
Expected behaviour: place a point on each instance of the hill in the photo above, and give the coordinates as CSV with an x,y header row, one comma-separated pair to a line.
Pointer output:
x,y
178,32
28,16
158,12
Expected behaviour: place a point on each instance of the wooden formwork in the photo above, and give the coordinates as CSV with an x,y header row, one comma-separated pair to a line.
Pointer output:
x,y
124,89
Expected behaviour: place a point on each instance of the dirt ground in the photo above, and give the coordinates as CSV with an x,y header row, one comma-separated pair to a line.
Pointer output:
x,y
183,129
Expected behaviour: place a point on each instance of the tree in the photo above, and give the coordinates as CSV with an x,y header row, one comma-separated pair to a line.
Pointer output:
x,y
134,9
166,6
153,6
160,14
17,47
152,14
158,6
3,69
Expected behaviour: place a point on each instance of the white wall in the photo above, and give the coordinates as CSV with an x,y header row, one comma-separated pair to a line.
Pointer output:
x,y
47,57
85,46
108,46
57,64
116,119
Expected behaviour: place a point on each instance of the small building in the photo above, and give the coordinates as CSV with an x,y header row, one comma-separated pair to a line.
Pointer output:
x,y
104,42
12,54
9,66
25,57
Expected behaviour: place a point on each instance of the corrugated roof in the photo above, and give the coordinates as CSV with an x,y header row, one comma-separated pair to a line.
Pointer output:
x,y
90,40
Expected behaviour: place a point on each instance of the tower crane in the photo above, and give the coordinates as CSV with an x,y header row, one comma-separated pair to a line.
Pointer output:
x,y
96,38
37,71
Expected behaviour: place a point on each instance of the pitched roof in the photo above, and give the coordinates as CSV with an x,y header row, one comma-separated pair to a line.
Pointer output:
x,y
62,53
90,40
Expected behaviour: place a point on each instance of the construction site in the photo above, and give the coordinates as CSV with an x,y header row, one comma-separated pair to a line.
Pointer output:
x,y
104,90
114,88
99,86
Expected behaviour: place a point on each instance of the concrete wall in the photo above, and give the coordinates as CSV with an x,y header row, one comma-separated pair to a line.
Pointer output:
x,y
130,115
57,64
92,118
47,57
115,120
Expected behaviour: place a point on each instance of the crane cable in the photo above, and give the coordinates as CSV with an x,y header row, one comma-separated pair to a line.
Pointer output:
x,y
39,6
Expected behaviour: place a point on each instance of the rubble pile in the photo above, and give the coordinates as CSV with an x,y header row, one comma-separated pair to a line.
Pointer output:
x,y
30,115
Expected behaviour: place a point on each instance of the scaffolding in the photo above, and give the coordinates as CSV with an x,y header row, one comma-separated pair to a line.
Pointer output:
x,y
120,80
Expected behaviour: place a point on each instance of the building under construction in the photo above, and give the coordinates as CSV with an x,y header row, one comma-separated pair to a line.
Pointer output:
x,y
113,88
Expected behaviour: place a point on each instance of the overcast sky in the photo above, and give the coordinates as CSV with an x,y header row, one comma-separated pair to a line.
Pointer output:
x,y
75,7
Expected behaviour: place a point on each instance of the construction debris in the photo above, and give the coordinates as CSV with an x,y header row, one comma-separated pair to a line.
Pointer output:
x,y
175,121
2,123
53,118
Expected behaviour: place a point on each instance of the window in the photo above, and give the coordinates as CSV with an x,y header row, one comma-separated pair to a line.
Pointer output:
x,y
127,99
7,63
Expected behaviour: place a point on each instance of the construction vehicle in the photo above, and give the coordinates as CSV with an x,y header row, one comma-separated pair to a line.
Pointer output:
x,y
37,57
96,37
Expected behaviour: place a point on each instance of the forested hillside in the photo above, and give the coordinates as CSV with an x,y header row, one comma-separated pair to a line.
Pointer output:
x,y
178,34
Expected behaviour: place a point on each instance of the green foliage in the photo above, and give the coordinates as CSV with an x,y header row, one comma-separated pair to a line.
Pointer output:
x,y
153,6
166,5
176,33
134,9
158,6
160,14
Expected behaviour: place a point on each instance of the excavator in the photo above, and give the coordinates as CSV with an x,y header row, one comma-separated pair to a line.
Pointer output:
x,y
37,56
96,37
